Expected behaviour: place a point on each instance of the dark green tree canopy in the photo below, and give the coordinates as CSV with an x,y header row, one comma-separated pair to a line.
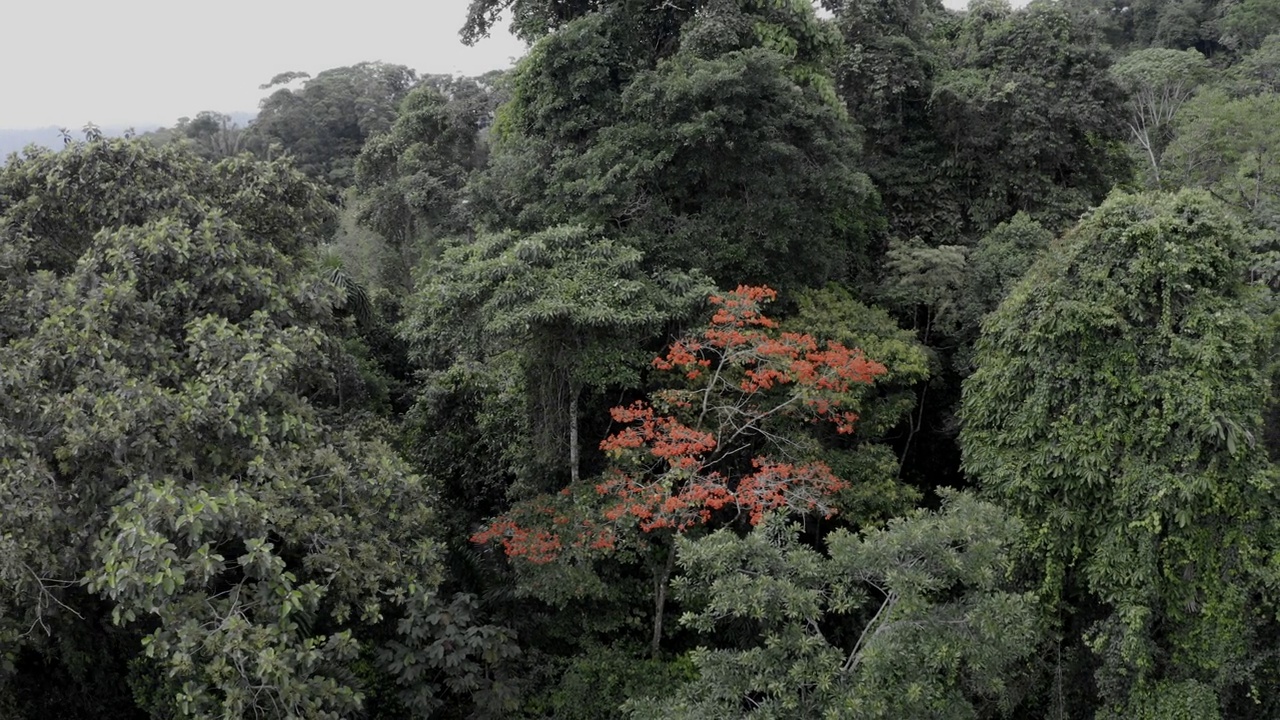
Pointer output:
x,y
728,156
1033,120
533,19
1176,25
325,123
412,177
452,397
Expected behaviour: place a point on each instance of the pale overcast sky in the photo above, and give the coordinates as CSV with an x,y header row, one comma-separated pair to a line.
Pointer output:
x,y
146,62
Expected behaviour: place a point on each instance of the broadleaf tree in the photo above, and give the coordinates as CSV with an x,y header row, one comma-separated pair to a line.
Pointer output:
x,y
172,463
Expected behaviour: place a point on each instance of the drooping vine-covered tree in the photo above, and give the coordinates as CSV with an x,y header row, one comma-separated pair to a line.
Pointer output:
x,y
1116,410
572,306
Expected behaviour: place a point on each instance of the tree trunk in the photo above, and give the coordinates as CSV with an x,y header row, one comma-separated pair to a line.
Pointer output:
x,y
574,391
661,579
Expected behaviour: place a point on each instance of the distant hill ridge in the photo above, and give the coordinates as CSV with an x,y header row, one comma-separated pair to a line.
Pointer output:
x,y
14,140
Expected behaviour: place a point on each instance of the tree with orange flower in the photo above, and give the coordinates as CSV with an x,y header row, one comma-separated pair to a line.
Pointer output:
x,y
725,441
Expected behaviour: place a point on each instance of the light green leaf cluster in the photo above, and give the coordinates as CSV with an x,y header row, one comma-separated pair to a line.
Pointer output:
x,y
909,621
1186,700
1231,147
569,306
1246,24
568,294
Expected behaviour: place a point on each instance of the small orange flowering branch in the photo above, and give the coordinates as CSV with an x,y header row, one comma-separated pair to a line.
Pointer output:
x,y
541,531
741,384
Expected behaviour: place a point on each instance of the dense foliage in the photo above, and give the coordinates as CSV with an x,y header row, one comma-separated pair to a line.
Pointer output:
x,y
721,359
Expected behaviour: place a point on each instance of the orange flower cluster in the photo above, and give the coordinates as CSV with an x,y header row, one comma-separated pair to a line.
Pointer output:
x,y
741,307
656,508
535,545
666,437
807,488
744,347
525,533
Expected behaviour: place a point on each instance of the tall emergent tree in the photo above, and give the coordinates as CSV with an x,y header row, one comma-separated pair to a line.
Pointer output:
x,y
1159,83
1116,410
708,139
